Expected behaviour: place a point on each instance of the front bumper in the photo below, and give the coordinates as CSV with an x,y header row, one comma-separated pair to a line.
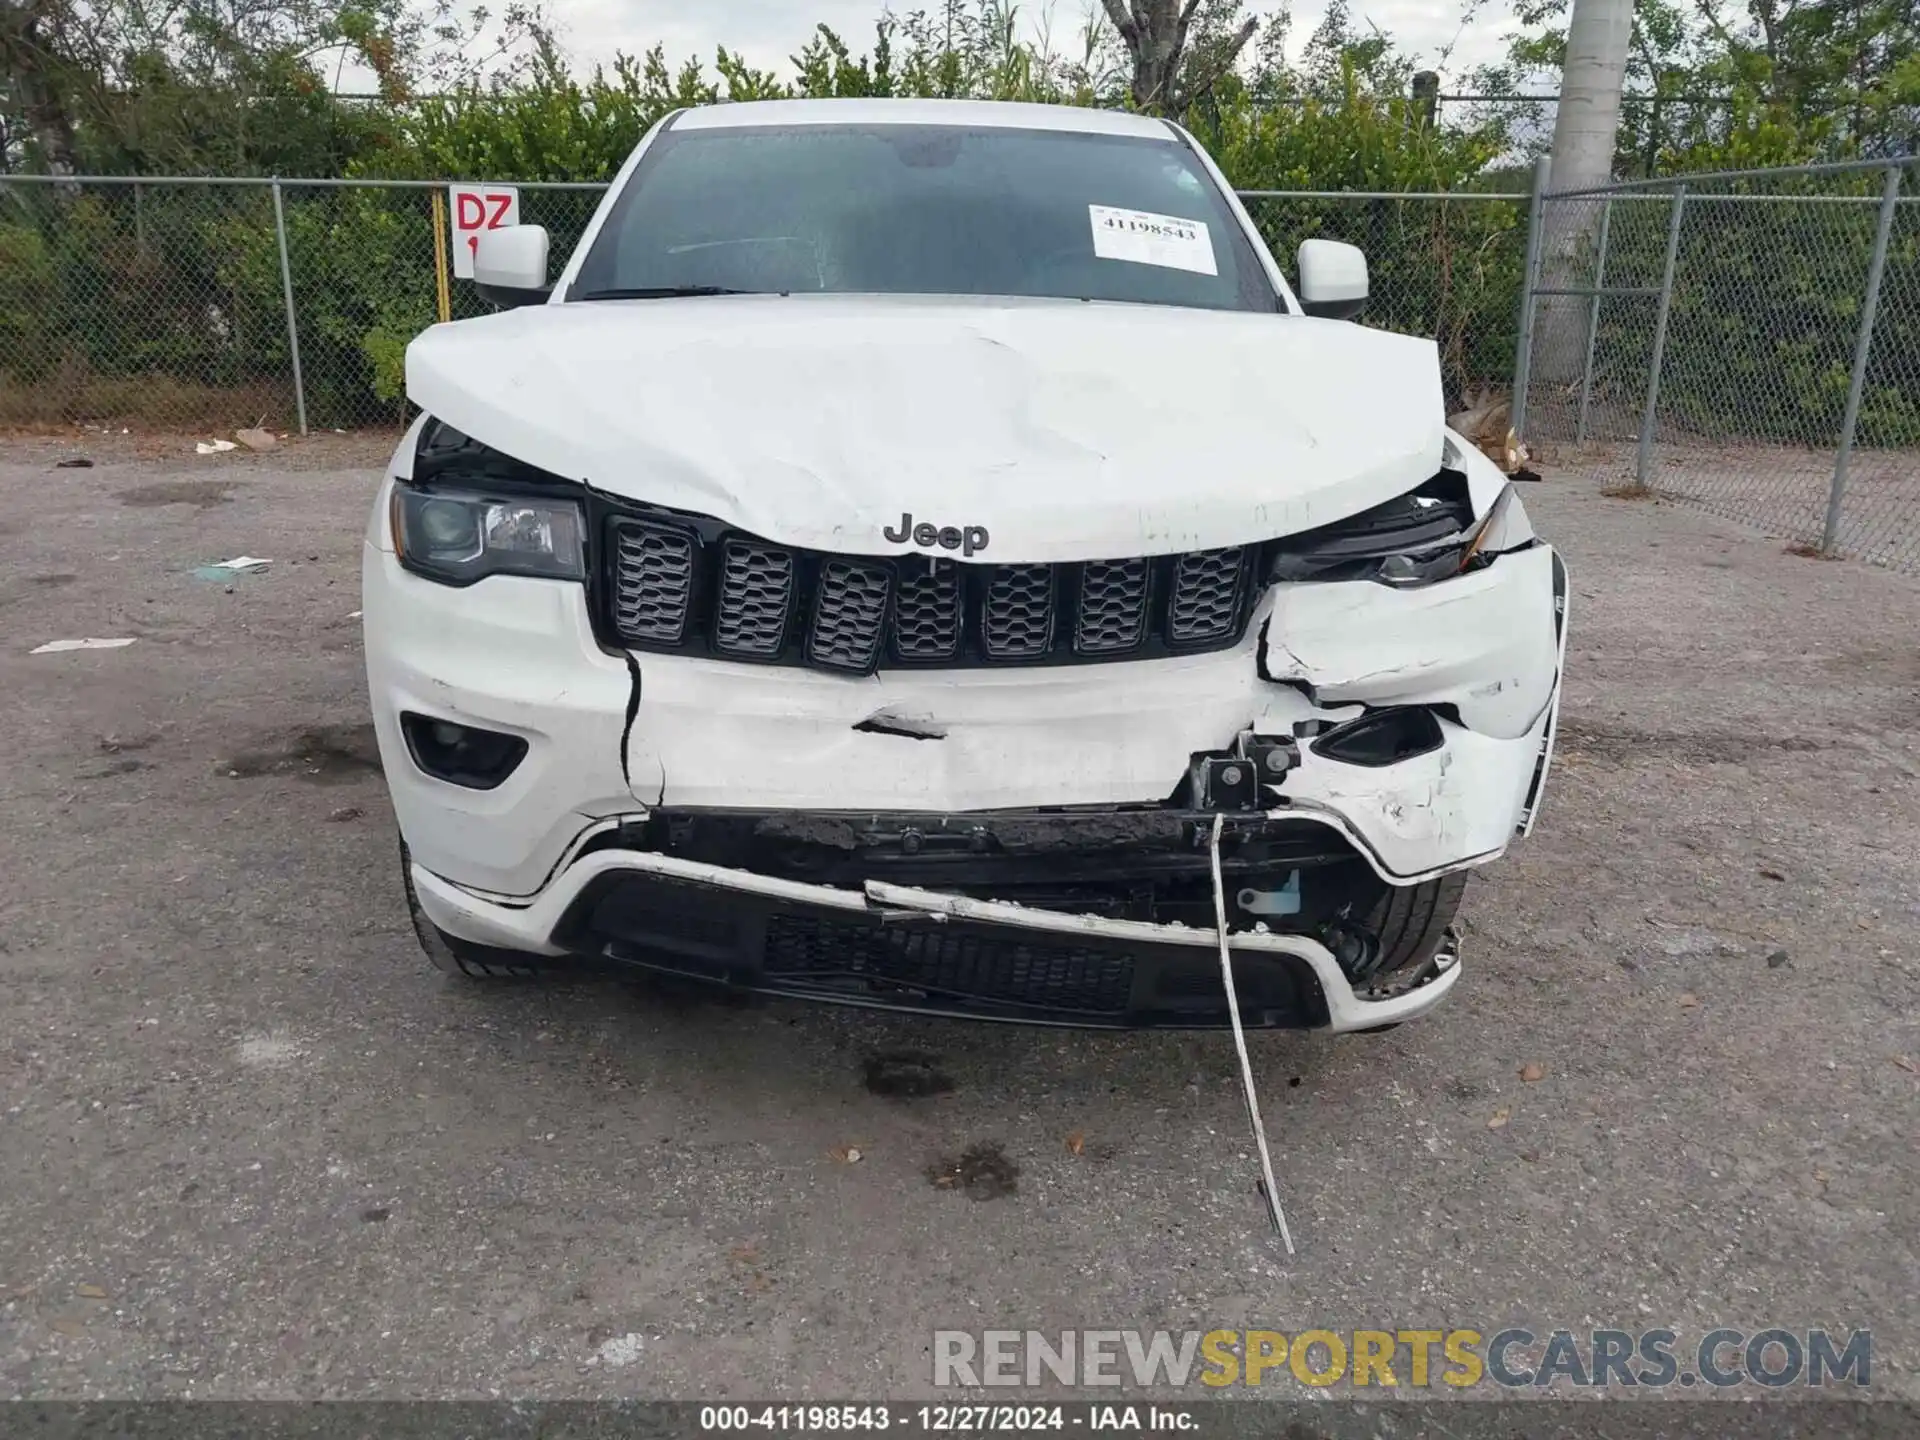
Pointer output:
x,y
614,739
902,947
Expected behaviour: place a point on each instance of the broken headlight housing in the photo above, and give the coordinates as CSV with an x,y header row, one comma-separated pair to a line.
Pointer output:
x,y
471,512
1427,535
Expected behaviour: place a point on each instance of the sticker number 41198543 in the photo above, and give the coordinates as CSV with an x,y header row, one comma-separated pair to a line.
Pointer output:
x,y
1149,239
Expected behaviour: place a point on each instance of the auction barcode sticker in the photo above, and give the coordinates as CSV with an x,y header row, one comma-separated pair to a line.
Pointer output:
x,y
1149,239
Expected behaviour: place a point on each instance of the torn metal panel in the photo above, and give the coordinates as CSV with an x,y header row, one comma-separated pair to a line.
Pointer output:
x,y
1055,438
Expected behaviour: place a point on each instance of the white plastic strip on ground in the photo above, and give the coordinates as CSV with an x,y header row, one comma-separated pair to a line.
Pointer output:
x,y
1268,1187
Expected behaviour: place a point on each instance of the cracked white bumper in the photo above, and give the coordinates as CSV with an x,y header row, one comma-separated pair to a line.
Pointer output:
x,y
502,866
519,655
530,927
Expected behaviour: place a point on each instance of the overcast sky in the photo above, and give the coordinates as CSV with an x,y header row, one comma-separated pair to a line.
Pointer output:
x,y
768,31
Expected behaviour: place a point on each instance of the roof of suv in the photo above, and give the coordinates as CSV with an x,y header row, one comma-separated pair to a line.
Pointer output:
x,y
1004,114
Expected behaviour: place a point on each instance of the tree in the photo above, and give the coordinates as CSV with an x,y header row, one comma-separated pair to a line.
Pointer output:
x,y
1179,48
33,70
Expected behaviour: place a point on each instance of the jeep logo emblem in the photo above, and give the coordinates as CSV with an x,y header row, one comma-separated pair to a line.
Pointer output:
x,y
947,537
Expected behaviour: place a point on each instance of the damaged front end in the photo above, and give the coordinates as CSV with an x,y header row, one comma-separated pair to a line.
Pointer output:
x,y
1133,881
989,789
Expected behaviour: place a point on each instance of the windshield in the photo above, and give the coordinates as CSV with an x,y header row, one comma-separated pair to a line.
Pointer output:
x,y
925,210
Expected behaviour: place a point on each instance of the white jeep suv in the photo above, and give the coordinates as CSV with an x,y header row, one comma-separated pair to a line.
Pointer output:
x,y
907,545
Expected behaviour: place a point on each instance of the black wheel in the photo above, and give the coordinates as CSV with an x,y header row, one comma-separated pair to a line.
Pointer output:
x,y
1410,922
465,958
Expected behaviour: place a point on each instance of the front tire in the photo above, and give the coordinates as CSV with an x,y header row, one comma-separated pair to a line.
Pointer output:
x,y
466,958
1410,922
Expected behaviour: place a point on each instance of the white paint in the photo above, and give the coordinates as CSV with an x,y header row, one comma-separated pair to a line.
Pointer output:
x,y
1141,237
804,418
1331,272
1070,430
473,209
54,647
1484,642
513,257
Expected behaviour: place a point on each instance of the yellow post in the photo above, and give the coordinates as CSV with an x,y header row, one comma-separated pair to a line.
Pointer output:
x,y
440,256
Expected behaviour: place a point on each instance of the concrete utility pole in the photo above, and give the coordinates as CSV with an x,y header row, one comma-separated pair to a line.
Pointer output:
x,y
1587,124
1585,131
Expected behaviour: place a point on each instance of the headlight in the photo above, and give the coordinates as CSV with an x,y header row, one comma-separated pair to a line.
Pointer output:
x,y
458,536
1427,535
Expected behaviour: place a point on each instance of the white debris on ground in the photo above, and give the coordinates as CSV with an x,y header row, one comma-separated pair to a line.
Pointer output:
x,y
620,1352
270,1051
53,647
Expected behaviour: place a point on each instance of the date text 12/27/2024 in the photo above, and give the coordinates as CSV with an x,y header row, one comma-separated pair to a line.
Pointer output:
x,y
946,1419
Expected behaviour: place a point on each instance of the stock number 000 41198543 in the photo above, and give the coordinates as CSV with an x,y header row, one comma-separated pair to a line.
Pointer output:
x,y
920,1419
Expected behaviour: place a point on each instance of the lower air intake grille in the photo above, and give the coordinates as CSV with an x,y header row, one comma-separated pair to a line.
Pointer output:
x,y
1062,977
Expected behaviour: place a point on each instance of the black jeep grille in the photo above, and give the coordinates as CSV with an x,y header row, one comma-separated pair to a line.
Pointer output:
x,y
756,596
1206,596
690,586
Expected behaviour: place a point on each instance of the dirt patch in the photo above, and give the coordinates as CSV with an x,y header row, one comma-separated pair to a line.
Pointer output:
x,y
981,1172
198,493
905,1074
51,582
117,767
1621,744
1628,490
323,755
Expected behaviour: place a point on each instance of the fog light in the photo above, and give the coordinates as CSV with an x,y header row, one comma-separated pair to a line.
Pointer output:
x,y
463,755
1382,737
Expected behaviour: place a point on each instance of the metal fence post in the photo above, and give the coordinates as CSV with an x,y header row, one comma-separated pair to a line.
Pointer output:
x,y
1660,336
1529,279
1593,321
293,326
1862,349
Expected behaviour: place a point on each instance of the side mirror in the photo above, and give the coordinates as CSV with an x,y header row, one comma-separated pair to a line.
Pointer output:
x,y
510,265
1333,279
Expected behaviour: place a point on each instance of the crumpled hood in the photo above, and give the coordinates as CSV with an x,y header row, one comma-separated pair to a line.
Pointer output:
x,y
1065,430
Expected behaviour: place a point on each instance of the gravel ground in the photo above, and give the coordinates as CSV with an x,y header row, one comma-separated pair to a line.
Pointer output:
x,y
254,1147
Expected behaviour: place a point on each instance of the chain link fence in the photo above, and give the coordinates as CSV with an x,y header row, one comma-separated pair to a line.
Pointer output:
x,y
1703,335
166,303
193,304
1746,342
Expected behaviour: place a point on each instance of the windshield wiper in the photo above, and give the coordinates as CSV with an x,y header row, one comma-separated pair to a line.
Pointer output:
x,y
661,292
